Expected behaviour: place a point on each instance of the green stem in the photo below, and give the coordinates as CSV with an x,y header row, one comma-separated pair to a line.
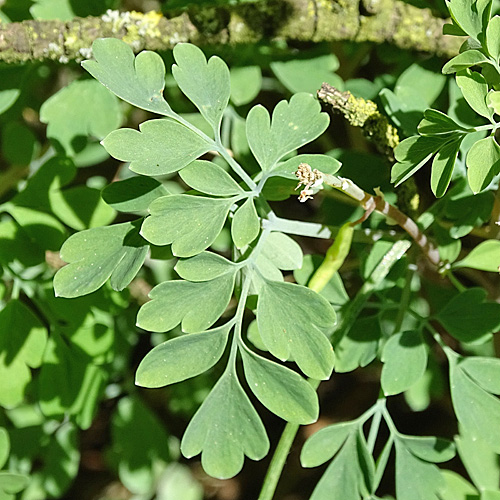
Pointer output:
x,y
455,282
352,311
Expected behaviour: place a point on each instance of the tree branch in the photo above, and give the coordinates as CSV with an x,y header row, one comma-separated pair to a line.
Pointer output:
x,y
391,21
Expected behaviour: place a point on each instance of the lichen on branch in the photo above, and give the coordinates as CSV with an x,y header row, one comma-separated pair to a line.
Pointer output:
x,y
378,21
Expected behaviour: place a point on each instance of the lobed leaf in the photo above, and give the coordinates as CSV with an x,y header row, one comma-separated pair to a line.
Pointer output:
x,y
429,448
97,254
138,80
437,123
204,267
282,251
207,177
224,429
493,37
189,223
22,341
405,360
415,479
468,318
483,163
485,257
134,194
463,61
443,165
474,88
290,318
207,85
280,389
182,357
196,306
161,147
245,226
293,125
246,82
476,409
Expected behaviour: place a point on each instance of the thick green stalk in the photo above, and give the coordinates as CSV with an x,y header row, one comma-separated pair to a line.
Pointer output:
x,y
350,314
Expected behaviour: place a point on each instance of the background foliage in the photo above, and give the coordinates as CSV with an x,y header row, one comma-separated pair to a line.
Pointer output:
x,y
194,294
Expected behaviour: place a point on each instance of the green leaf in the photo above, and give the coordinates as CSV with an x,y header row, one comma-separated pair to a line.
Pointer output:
x,y
293,125
4,446
415,478
493,101
283,251
484,371
280,389
140,445
22,342
308,73
471,15
290,319
134,194
359,346
197,306
349,474
457,488
207,85
483,163
485,257
463,61
94,255
493,37
69,384
224,429
138,80
412,154
83,108
325,443
245,226
443,165
468,318
437,123
207,177
161,147
204,267
429,448
182,358
12,483
476,409
189,223
480,461
474,88
245,84
405,359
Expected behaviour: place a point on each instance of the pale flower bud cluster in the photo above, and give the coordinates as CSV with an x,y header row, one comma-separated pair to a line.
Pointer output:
x,y
311,179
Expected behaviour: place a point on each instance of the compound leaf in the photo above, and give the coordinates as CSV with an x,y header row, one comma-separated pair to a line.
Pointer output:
x,y
245,226
161,147
197,306
486,257
474,88
225,429
483,163
190,223
134,194
207,85
293,125
97,254
405,360
204,267
22,342
290,318
182,357
468,318
207,177
280,390
284,252
416,479
138,80
476,409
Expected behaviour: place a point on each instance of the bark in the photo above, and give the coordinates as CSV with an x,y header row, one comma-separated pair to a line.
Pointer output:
x,y
377,21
